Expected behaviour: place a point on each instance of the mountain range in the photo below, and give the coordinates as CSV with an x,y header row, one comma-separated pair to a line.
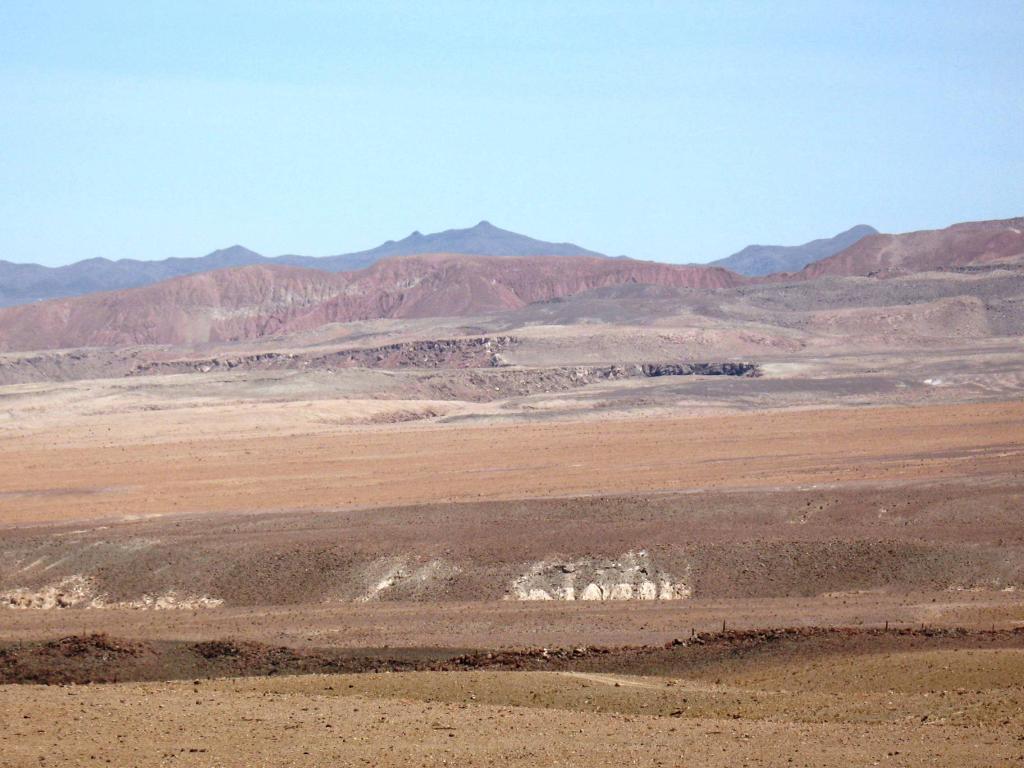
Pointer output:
x,y
271,297
760,260
25,283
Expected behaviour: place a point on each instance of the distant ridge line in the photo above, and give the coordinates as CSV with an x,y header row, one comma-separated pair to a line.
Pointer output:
x,y
27,283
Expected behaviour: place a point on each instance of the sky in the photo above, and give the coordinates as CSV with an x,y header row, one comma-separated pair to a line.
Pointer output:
x,y
676,131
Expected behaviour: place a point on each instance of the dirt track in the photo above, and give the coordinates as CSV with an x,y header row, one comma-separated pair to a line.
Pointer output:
x,y
132,473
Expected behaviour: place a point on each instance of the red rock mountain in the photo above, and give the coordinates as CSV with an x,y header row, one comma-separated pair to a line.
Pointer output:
x,y
972,243
254,301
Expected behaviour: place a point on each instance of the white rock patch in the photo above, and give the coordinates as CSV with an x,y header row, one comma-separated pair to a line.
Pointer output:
x,y
389,574
68,593
592,592
631,576
171,600
81,592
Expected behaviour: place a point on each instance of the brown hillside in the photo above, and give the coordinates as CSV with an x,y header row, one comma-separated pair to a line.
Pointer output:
x,y
972,243
256,301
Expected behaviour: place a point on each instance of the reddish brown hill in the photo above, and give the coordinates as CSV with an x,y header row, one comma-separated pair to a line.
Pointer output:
x,y
438,285
233,303
971,243
255,301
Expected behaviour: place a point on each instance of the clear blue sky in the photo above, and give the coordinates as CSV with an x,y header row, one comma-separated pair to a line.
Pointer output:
x,y
669,130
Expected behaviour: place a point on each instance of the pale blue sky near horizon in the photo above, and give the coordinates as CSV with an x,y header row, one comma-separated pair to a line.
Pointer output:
x,y
676,131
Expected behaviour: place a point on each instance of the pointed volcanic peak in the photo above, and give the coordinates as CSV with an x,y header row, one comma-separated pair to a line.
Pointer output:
x,y
484,239
257,301
974,243
759,260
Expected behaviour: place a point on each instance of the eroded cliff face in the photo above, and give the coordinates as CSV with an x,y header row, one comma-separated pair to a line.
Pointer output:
x,y
471,352
700,369
631,576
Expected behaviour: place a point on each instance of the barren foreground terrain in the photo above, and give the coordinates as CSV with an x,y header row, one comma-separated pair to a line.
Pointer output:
x,y
952,704
774,525
331,549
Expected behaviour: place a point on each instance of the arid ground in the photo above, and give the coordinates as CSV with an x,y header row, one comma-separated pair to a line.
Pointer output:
x,y
523,540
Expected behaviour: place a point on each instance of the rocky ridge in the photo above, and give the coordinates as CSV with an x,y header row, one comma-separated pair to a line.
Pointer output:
x,y
263,301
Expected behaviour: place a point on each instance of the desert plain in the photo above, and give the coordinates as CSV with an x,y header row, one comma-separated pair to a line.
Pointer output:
x,y
633,526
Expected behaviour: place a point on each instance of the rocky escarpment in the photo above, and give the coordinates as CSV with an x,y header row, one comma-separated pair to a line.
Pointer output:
x,y
466,353
479,352
488,384
700,369
459,354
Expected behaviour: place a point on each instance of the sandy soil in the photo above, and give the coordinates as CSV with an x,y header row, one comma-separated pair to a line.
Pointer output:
x,y
130,472
955,707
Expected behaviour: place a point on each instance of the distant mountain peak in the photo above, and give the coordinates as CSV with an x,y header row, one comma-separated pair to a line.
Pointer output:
x,y
482,239
760,260
27,283
233,250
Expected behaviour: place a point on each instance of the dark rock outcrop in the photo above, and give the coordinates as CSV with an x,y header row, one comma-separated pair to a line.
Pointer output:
x,y
701,369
